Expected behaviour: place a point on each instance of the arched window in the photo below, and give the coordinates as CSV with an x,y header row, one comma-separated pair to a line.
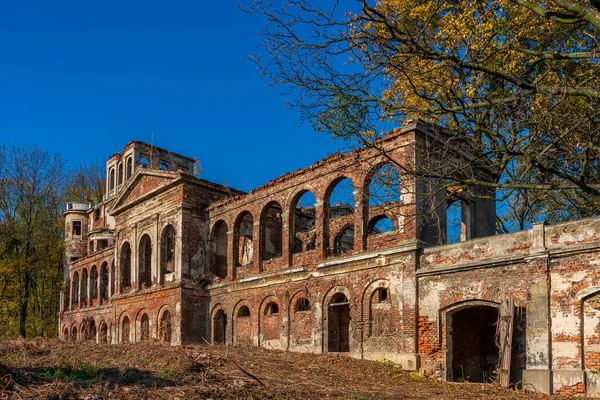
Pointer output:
x,y
162,165
84,288
243,312
75,291
457,219
145,327
271,309
303,235
302,305
129,167
125,330
167,250
94,283
88,329
380,224
74,334
145,262
103,337
104,282
244,230
271,231
66,296
270,322
111,184
113,272
144,162
219,249
125,267
340,217
164,330
120,175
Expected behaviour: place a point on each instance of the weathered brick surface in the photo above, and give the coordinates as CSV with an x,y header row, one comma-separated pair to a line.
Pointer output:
x,y
407,301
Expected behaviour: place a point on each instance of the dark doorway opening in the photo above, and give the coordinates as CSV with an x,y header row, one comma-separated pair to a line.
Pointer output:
x,y
473,354
338,320
219,327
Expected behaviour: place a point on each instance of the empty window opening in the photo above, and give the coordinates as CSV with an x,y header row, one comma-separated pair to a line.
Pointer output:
x,y
219,249
164,329
120,175
112,279
125,330
75,291
458,219
344,241
103,337
472,352
219,327
384,191
271,230
94,283
104,282
76,228
272,309
88,329
163,166
145,328
382,295
340,202
66,335
245,245
145,262
338,324
97,215
102,244
91,247
243,312
74,334
302,305
129,168
144,162
380,224
303,233
168,250
125,264
67,296
84,288
111,180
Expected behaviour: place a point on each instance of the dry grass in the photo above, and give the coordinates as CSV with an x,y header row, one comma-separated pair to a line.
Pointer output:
x,y
55,370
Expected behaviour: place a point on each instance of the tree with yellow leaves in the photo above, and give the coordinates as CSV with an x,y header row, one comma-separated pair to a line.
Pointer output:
x,y
518,79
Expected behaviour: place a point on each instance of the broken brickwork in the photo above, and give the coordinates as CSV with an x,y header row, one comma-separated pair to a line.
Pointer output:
x,y
173,258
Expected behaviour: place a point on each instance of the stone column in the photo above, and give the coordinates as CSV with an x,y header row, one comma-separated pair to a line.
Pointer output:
x,y
538,372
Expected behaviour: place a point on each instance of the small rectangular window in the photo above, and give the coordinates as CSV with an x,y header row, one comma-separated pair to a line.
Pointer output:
x,y
76,228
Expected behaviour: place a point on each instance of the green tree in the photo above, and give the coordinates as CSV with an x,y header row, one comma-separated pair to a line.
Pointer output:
x,y
32,186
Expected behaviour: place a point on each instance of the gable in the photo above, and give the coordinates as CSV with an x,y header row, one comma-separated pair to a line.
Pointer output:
x,y
143,184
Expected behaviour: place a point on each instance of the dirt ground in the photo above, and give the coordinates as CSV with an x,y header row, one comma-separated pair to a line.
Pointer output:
x,y
54,370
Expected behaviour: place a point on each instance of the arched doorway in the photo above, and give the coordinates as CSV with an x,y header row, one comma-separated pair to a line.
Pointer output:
x,y
338,324
472,352
219,327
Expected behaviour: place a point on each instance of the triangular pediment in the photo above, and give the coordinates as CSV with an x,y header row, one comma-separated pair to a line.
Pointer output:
x,y
144,184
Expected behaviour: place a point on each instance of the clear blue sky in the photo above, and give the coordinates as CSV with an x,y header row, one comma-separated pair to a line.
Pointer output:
x,y
82,78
